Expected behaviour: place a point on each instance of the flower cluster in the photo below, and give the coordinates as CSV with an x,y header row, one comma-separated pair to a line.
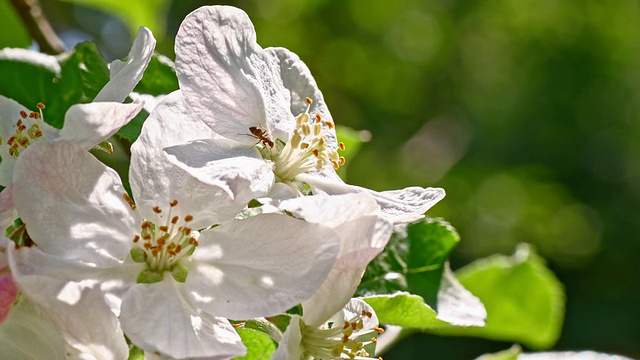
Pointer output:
x,y
234,212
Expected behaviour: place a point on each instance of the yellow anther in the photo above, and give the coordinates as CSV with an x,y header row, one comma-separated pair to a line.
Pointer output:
x,y
308,100
295,140
34,132
302,119
305,129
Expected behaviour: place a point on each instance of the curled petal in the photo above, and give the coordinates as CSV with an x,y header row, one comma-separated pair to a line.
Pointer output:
x,y
126,75
89,124
398,206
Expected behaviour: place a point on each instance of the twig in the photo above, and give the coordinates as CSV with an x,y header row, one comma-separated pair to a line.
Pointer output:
x,y
31,13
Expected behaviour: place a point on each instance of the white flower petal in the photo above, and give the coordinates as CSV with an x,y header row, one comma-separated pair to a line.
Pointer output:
x,y
290,346
340,285
7,209
155,180
126,75
227,165
354,308
87,125
226,77
68,292
398,206
260,266
73,204
296,77
9,114
48,62
159,317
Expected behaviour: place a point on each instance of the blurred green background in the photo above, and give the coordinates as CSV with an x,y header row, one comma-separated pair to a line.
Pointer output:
x,y
527,112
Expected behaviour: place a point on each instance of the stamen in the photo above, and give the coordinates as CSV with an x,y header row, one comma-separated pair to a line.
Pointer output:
x,y
164,244
129,201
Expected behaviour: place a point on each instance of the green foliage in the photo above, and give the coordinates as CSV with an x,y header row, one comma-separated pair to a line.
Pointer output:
x,y
524,300
259,345
430,243
73,77
406,310
12,32
132,130
413,262
414,269
159,77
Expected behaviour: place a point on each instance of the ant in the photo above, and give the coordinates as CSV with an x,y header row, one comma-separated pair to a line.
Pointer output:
x,y
260,134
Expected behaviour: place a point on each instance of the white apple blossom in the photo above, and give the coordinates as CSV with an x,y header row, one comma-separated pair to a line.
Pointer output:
x,y
344,335
250,95
84,124
172,286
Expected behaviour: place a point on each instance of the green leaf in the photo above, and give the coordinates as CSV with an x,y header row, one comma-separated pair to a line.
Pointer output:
x,y
132,130
12,32
149,13
404,309
29,77
74,77
415,265
430,243
86,62
259,345
523,298
159,77
413,262
456,307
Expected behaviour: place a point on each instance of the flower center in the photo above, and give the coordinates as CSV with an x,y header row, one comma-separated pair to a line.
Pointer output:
x,y
339,342
28,129
162,245
306,150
